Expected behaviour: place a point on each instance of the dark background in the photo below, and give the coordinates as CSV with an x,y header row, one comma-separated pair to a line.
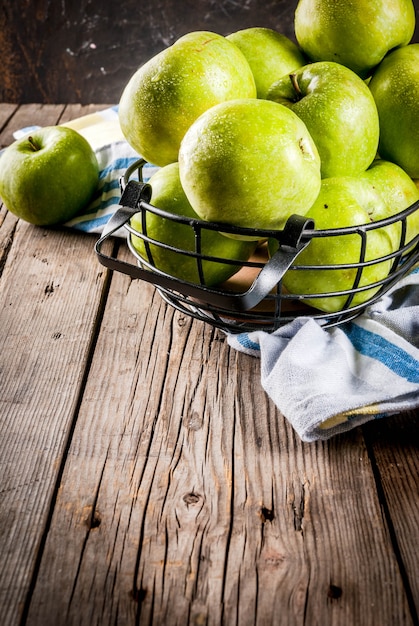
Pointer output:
x,y
67,51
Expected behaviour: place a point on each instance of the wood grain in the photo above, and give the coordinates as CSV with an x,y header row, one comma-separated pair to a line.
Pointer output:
x,y
50,295
394,447
187,499
44,347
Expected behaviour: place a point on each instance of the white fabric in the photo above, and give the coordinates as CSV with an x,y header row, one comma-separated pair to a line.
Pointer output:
x,y
326,381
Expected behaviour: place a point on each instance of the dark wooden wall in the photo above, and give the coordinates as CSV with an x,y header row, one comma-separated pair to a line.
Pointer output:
x,y
56,51
66,51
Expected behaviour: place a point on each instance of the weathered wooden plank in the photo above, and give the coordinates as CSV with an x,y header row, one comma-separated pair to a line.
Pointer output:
x,y
6,112
30,115
73,111
44,350
395,446
187,498
8,223
16,118
50,296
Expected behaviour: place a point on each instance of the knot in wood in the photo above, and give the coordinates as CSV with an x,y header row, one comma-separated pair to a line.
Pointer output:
x,y
94,519
266,515
191,498
334,592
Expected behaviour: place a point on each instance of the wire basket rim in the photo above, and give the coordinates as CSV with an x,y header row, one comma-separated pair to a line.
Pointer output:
x,y
249,310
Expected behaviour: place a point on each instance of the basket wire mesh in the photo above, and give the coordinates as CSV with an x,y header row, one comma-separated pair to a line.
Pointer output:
x,y
264,304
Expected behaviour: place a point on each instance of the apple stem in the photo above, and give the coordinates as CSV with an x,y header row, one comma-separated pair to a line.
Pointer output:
x,y
33,144
296,86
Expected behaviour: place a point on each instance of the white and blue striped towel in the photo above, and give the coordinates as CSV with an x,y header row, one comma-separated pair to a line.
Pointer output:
x,y
327,381
114,159
324,381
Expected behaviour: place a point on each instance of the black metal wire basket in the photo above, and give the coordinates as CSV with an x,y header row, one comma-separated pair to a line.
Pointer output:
x,y
257,299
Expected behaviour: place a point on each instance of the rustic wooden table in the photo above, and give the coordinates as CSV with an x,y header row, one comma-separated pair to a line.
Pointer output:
x,y
146,478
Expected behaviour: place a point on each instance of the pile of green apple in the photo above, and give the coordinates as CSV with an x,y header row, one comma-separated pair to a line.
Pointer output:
x,y
250,128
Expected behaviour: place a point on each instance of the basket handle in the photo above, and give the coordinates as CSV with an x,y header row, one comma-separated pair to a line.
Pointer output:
x,y
291,240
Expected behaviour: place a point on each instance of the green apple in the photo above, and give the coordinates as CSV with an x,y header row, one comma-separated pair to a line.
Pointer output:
x,y
167,94
49,176
398,191
168,195
395,87
343,201
339,111
269,53
249,163
355,33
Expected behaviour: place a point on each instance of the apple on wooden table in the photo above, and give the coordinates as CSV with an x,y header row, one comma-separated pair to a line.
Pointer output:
x,y
49,176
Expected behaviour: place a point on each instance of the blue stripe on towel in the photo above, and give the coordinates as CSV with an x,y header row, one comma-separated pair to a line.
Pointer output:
x,y
117,164
376,347
110,186
90,225
245,341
